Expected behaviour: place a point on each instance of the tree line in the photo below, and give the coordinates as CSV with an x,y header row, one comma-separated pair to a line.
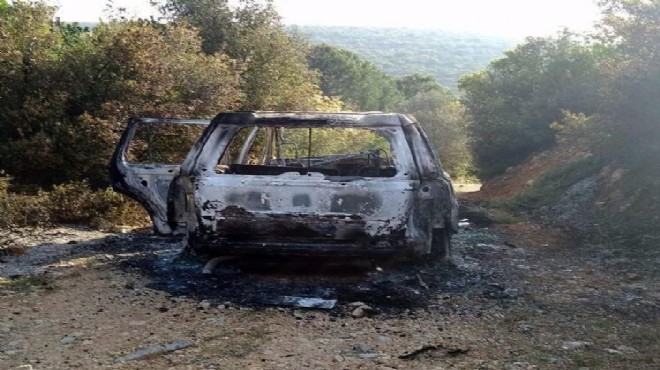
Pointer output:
x,y
603,87
67,91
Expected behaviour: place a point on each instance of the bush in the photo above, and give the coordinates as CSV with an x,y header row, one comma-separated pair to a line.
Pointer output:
x,y
73,202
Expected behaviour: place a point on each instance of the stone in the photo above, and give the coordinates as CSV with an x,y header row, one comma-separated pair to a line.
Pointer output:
x,y
156,349
626,349
362,311
383,338
67,340
15,249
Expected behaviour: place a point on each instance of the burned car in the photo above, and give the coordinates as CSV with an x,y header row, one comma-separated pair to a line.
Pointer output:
x,y
354,184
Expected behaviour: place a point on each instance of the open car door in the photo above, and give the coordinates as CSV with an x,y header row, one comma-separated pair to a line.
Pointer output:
x,y
148,157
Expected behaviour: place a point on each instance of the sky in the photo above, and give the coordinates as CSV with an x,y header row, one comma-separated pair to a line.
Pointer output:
x,y
506,18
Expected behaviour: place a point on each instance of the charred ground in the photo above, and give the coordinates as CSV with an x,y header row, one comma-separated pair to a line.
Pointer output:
x,y
518,296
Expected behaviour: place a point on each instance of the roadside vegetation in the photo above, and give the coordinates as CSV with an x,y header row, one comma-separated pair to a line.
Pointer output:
x,y
67,91
591,95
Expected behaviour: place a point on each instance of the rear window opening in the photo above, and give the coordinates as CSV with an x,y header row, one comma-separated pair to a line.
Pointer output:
x,y
334,152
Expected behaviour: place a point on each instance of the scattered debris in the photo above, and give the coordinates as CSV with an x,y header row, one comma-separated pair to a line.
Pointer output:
x,y
302,302
155,350
422,283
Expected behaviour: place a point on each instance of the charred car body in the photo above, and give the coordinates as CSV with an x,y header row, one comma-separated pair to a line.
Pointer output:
x,y
291,183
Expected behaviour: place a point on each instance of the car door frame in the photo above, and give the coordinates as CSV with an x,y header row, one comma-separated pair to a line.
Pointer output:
x,y
131,179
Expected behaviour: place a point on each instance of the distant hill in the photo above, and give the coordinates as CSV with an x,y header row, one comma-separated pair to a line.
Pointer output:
x,y
401,51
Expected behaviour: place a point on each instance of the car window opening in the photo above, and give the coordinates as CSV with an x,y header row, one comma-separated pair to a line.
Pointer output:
x,y
333,152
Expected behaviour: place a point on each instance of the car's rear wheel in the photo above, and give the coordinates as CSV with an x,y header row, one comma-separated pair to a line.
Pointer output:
x,y
441,245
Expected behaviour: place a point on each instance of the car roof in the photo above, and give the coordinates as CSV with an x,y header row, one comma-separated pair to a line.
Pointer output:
x,y
307,119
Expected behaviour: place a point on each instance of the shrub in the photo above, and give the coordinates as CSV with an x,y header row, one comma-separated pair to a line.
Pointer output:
x,y
73,202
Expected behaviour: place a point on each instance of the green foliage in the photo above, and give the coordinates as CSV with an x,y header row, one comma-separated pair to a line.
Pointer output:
x,y
416,83
513,102
632,112
356,81
70,202
66,93
443,120
275,75
333,141
402,51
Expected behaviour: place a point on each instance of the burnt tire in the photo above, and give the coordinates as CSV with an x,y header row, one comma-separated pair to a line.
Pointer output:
x,y
440,246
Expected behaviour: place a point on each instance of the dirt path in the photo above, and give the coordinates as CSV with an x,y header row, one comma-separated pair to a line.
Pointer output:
x,y
520,296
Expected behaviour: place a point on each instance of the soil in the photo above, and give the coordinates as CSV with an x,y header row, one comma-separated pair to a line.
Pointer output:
x,y
517,296
516,179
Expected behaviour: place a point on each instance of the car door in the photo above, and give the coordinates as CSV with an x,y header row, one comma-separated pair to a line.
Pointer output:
x,y
148,157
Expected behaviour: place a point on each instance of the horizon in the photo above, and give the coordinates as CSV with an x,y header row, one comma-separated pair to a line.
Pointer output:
x,y
510,19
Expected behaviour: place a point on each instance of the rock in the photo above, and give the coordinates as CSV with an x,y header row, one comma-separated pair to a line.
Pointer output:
x,y
626,349
362,311
205,305
22,367
67,340
569,345
383,338
15,249
337,358
155,349
633,277
120,229
363,348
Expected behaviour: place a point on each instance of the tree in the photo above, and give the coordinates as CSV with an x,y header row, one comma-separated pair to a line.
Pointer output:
x,y
443,119
416,83
632,112
275,76
69,94
515,100
356,81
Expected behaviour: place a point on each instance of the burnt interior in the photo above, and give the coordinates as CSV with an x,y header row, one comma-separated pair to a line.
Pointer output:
x,y
334,152
339,170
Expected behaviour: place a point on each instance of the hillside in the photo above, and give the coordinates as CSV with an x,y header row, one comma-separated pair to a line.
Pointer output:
x,y
401,51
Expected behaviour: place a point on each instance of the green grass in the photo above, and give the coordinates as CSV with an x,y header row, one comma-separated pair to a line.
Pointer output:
x,y
24,284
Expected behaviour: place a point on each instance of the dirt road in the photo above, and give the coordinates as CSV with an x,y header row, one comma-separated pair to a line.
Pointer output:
x,y
519,296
